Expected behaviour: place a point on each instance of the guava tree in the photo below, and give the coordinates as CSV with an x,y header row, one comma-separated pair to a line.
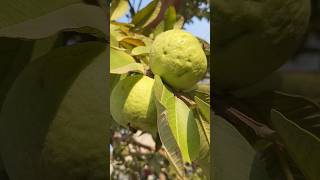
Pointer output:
x,y
156,70
53,119
265,124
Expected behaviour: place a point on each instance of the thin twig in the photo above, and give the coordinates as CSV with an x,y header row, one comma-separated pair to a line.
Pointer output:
x,y
284,164
185,99
139,5
132,11
135,142
228,110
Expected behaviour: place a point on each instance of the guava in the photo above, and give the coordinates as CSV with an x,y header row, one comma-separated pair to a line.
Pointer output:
x,y
132,103
254,38
178,58
54,122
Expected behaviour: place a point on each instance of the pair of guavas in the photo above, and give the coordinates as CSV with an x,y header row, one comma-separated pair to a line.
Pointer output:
x,y
178,58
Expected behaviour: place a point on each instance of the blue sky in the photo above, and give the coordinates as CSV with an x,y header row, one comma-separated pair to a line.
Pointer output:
x,y
200,28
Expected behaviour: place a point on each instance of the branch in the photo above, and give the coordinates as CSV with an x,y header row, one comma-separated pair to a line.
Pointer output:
x,y
132,11
227,109
284,164
139,5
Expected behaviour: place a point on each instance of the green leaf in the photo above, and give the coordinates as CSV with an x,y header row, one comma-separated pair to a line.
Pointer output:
x,y
113,41
159,29
203,92
140,50
234,157
43,46
204,126
162,93
147,14
204,157
14,56
169,18
113,80
132,67
179,23
18,11
204,108
181,121
183,124
303,146
165,133
167,23
118,9
48,94
119,59
81,17
299,109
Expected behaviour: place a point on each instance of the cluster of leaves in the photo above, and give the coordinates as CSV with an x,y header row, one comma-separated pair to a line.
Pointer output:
x,y
30,30
187,9
183,117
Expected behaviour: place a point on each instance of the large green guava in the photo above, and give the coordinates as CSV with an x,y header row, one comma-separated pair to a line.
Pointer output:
x,y
178,58
53,123
254,38
132,103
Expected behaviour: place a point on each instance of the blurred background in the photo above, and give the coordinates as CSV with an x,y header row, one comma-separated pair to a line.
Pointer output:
x,y
301,74
307,57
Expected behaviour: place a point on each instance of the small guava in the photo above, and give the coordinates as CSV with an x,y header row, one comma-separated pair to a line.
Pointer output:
x,y
177,56
132,103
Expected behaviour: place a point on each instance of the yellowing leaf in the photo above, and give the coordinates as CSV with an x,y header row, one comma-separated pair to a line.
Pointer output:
x,y
118,9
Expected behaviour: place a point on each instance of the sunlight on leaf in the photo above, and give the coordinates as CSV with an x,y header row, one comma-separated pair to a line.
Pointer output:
x,y
118,9
132,67
119,59
165,133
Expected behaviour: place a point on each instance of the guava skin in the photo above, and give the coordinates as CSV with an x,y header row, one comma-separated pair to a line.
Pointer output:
x,y
178,58
254,38
132,103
